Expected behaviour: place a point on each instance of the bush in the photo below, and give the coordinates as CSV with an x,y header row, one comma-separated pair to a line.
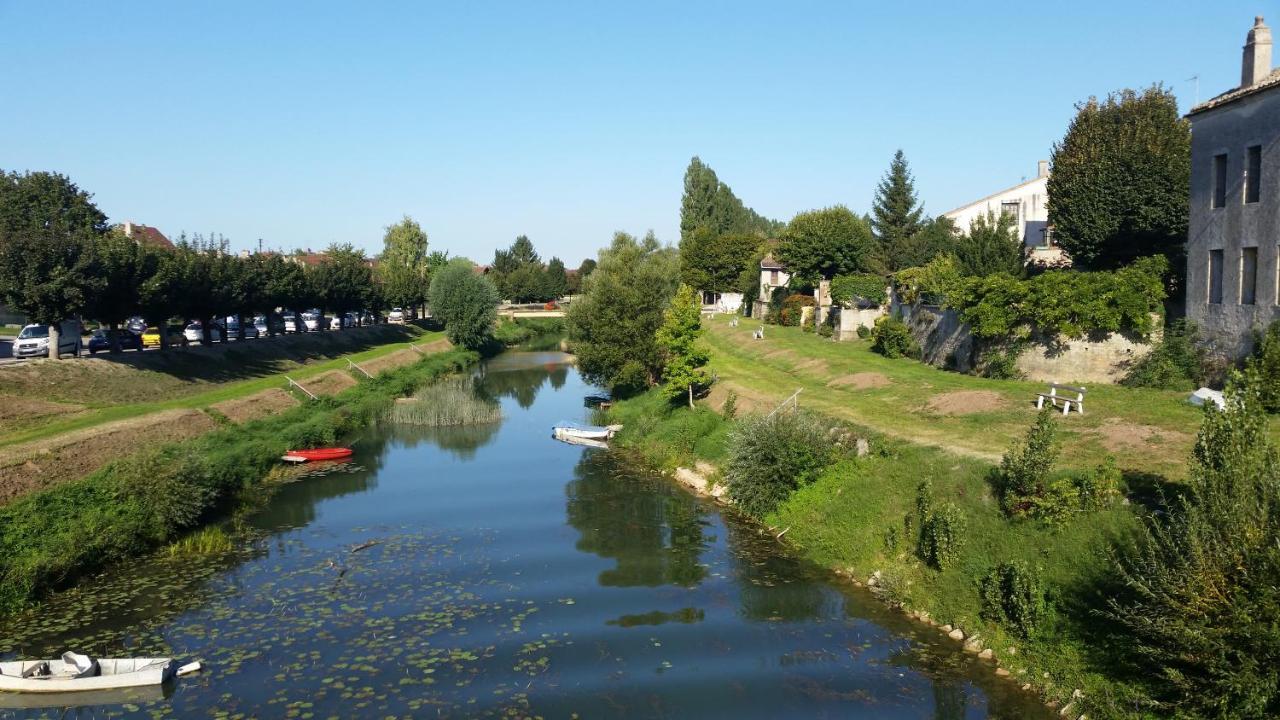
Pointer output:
x,y
1025,469
930,284
730,407
1197,595
859,289
771,457
1175,363
941,536
1266,364
892,339
1098,487
466,303
1013,596
793,308
864,332
1001,363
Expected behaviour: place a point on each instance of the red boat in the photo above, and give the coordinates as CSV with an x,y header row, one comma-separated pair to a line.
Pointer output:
x,y
317,454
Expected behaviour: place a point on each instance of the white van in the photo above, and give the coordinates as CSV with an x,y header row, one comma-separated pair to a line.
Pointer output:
x,y
33,341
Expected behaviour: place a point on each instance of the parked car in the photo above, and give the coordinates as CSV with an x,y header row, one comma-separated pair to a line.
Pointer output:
x,y
396,316
290,323
311,321
177,337
345,320
260,324
101,340
136,324
33,340
195,332
232,329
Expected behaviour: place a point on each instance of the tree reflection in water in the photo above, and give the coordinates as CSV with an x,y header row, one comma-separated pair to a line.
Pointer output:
x,y
768,580
655,533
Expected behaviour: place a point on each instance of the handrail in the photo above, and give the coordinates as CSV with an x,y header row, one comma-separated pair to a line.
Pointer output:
x,y
794,400
298,385
352,364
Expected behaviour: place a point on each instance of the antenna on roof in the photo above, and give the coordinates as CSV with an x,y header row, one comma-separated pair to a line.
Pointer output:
x,y
1196,80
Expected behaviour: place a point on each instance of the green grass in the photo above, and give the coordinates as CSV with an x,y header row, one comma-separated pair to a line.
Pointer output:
x,y
1147,431
216,392
50,538
448,403
210,540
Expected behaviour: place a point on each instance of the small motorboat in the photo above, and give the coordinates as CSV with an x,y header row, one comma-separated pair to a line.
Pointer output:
x,y
79,673
590,435
315,454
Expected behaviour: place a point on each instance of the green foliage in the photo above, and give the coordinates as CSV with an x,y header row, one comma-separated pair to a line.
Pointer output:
x,y
1174,363
941,529
1064,303
859,289
712,262
936,237
47,201
1013,596
446,403
1265,362
770,457
1199,600
340,283
466,303
825,243
792,309
864,332
709,203
682,371
892,338
1025,468
612,326
402,266
992,245
556,280
519,276
1001,363
1120,180
729,410
895,213
211,540
930,284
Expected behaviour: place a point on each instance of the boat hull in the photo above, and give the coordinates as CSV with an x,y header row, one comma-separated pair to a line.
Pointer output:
x,y
112,675
319,454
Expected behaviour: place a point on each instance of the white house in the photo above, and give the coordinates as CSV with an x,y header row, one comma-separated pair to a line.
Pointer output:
x,y
772,276
1028,203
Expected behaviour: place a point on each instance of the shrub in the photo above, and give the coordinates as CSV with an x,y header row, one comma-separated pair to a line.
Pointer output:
x,y
1001,363
1013,596
1024,469
1175,363
792,309
941,536
1198,595
1096,488
466,303
930,284
1266,364
864,332
769,457
859,289
892,339
730,407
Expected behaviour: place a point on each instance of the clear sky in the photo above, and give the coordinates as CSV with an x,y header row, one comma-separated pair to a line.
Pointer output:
x,y
310,122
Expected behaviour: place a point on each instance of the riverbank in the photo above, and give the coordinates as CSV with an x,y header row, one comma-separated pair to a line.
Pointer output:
x,y
851,520
50,538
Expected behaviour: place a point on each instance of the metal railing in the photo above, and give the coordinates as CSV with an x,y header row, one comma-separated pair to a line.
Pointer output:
x,y
793,401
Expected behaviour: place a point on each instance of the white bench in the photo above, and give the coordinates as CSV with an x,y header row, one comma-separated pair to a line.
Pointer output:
x,y
1054,398
758,334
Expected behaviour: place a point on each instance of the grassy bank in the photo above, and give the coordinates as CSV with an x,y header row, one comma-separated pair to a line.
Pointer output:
x,y
50,538
514,331
851,519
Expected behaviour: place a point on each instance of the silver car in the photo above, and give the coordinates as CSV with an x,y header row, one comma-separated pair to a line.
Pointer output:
x,y
33,341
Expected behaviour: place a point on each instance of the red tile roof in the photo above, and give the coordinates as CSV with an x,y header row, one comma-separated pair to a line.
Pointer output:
x,y
146,235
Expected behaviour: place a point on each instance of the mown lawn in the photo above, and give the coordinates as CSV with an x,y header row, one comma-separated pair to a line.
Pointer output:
x,y
1147,431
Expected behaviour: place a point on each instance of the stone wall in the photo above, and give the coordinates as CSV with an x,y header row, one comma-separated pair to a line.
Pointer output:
x,y
848,320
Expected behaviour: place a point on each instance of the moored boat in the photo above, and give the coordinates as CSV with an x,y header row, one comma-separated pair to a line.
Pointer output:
x,y
317,454
78,673
593,435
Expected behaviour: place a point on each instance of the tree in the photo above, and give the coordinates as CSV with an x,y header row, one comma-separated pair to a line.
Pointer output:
x,y
991,246
1200,600
517,272
402,266
465,302
713,262
1119,186
284,286
709,203
123,267
613,325
341,281
896,213
682,371
522,251
525,284
935,237
48,230
824,243
556,283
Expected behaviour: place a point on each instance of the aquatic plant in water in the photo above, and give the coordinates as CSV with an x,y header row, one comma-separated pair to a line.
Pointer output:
x,y
452,401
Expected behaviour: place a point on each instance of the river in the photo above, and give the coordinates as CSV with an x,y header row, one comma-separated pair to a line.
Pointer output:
x,y
510,576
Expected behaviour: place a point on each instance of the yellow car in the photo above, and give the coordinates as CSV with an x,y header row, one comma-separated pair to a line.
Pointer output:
x,y
151,338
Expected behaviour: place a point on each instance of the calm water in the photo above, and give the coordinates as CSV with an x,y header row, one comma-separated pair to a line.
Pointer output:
x,y
513,576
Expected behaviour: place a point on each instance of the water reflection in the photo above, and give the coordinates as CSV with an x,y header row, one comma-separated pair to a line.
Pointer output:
x,y
656,535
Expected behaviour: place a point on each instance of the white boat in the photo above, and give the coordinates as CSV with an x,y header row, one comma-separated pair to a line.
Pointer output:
x,y
593,435
78,673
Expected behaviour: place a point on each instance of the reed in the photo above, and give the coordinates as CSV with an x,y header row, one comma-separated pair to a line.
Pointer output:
x,y
205,541
449,402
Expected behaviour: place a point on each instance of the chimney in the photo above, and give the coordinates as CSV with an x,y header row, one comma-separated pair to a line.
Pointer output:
x,y
1042,169
1257,55
128,228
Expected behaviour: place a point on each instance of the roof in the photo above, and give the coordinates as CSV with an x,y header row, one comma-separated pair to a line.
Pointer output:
x,y
1270,82
996,194
768,263
147,235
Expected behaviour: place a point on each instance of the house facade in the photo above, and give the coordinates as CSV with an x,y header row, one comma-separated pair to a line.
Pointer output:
x,y
1028,203
1233,241
772,276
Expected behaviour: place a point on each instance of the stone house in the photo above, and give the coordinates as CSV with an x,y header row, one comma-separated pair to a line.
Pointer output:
x,y
1233,242
772,276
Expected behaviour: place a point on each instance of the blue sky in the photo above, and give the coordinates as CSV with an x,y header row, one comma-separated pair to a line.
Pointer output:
x,y
311,122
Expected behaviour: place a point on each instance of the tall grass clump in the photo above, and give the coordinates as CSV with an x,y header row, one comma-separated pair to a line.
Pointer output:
x,y
449,402
771,457
210,540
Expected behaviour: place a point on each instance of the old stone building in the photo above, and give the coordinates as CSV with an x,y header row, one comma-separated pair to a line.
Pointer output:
x,y
1233,243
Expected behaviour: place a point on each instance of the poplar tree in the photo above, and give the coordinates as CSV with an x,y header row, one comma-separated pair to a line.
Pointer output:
x,y
895,213
683,361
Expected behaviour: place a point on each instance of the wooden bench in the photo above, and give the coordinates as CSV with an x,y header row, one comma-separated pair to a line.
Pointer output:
x,y
1053,397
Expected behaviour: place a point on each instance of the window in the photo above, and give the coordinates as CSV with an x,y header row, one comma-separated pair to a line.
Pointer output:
x,y
1215,277
773,277
1011,208
1248,275
1252,173
1219,181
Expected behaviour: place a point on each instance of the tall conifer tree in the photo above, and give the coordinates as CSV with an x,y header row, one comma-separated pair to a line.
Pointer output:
x,y
895,213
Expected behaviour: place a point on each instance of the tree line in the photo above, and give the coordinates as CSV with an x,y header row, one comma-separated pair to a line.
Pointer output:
x,y
521,277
